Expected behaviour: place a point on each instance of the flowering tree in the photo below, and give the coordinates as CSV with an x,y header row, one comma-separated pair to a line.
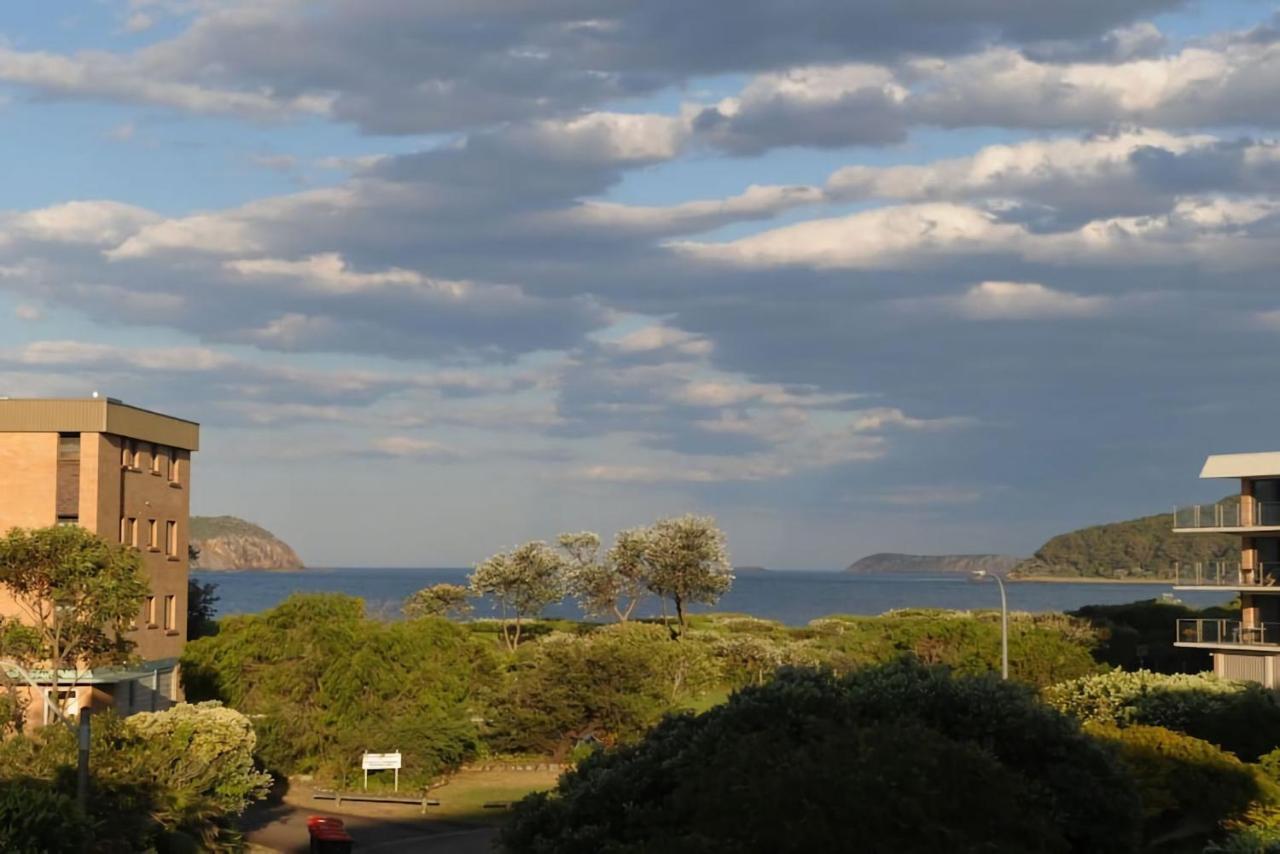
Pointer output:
x,y
687,561
438,600
523,581
615,584
77,592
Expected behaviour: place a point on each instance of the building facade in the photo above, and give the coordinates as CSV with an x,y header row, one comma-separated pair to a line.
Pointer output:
x,y
123,473
1247,648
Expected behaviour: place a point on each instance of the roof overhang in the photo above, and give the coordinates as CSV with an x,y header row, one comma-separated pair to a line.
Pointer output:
x,y
96,415
1266,464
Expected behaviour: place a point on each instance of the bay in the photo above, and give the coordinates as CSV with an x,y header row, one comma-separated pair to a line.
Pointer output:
x,y
790,597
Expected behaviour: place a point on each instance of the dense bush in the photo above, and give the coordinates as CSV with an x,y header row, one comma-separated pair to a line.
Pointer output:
x,y
325,684
898,758
1140,635
1188,787
186,772
1241,717
613,684
1257,832
36,818
1043,648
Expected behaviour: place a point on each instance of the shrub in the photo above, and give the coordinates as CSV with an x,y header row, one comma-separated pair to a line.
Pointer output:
x,y
325,684
1237,716
1042,648
899,757
1188,787
1257,832
35,818
186,771
613,684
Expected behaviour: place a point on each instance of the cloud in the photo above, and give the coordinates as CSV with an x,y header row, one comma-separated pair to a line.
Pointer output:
x,y
1025,301
396,66
407,446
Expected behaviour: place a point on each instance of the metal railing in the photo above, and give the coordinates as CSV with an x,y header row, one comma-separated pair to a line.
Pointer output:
x,y
1228,632
1223,573
1245,514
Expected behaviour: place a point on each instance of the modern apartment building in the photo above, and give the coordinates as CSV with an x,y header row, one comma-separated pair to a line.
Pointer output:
x,y
125,474
1247,648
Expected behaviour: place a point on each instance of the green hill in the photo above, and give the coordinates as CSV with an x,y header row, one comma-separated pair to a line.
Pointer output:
x,y
1138,548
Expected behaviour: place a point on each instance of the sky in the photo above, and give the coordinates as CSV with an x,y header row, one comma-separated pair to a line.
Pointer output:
x,y
438,277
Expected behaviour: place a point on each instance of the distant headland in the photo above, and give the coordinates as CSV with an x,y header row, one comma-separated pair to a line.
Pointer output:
x,y
228,543
894,562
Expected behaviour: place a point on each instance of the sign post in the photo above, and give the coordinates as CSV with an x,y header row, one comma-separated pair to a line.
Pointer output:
x,y
381,762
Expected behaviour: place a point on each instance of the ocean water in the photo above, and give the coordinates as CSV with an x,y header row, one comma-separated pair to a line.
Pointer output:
x,y
791,597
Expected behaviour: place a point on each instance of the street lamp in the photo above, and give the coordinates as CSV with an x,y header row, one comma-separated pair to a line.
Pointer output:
x,y
982,575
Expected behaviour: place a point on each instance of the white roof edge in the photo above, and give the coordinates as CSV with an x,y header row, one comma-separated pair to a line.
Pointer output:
x,y
1265,464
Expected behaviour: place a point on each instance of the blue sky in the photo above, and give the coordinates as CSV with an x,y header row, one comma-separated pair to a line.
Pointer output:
x,y
438,278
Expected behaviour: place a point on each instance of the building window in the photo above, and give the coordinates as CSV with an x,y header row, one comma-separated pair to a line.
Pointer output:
x,y
175,468
131,531
64,521
69,447
171,538
149,612
170,612
153,535
155,459
171,465
130,456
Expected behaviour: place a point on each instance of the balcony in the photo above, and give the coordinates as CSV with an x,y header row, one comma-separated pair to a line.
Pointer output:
x,y
1265,578
1232,516
1227,634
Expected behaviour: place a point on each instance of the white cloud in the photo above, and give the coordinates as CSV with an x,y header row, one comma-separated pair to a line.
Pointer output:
x,y
898,236
1026,301
98,223
659,336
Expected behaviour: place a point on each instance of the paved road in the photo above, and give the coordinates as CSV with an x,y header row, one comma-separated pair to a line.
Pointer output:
x,y
283,827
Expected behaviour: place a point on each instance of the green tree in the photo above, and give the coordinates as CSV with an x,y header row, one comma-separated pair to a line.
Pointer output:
x,y
202,608
438,600
78,592
523,582
899,758
614,585
687,562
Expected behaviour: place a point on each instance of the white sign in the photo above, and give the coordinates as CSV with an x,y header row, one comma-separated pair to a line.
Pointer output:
x,y
381,761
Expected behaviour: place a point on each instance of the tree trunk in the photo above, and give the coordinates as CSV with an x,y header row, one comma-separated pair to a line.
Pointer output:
x,y
680,613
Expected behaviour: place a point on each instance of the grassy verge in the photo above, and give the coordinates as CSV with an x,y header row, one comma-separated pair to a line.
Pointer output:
x,y
464,797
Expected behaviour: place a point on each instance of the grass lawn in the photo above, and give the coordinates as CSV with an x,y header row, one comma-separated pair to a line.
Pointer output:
x,y
464,797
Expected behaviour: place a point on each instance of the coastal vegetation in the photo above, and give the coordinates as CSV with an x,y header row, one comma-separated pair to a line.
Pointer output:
x,y
725,730
171,781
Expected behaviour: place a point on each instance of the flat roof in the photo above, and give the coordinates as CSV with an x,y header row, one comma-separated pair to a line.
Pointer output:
x,y
1264,464
96,415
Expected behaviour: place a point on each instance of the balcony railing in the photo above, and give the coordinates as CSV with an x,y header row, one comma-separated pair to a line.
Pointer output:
x,y
1228,632
1246,514
1222,573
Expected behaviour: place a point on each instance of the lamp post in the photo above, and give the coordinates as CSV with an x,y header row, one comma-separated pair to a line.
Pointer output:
x,y
981,575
